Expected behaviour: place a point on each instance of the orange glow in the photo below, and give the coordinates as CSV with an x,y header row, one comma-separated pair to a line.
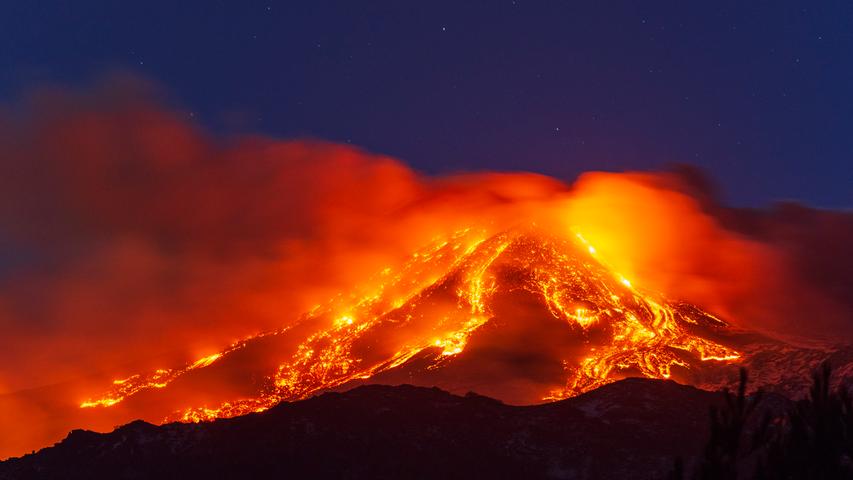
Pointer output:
x,y
160,378
646,333
175,243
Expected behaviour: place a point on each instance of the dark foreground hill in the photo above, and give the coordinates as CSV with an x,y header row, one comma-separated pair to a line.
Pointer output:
x,y
630,429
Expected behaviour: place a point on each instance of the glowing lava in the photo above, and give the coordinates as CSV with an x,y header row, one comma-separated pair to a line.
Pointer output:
x,y
435,303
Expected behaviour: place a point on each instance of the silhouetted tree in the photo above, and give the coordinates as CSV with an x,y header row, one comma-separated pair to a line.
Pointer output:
x,y
728,423
814,440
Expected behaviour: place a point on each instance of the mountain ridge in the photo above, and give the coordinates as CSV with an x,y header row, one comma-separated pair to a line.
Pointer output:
x,y
376,431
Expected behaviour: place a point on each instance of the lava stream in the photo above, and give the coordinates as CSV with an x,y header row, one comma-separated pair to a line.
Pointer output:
x,y
443,295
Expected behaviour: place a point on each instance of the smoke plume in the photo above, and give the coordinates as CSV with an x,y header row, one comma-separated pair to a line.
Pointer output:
x,y
132,238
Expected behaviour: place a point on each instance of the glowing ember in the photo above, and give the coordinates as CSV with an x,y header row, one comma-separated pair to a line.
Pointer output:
x,y
435,303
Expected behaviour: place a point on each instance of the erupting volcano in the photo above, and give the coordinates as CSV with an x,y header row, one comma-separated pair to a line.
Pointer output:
x,y
490,240
525,315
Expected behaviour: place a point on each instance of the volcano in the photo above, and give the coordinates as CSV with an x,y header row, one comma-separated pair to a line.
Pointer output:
x,y
524,316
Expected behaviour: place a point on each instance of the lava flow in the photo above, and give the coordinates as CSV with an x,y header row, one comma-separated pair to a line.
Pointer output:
x,y
422,317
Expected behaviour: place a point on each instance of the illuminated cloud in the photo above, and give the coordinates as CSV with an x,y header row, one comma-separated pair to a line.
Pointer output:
x,y
139,240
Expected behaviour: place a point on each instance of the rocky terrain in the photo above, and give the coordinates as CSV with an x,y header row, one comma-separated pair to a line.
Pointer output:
x,y
633,428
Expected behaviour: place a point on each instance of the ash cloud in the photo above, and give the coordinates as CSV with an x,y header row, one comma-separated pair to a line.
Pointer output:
x,y
133,239
783,270
138,239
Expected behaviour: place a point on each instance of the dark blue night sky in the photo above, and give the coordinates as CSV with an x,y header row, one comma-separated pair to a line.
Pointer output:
x,y
760,94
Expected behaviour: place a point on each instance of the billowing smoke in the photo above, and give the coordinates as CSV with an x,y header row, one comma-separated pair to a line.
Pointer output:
x,y
131,235
783,270
131,238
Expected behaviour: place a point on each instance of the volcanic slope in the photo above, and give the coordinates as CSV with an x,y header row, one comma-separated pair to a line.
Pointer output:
x,y
524,316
